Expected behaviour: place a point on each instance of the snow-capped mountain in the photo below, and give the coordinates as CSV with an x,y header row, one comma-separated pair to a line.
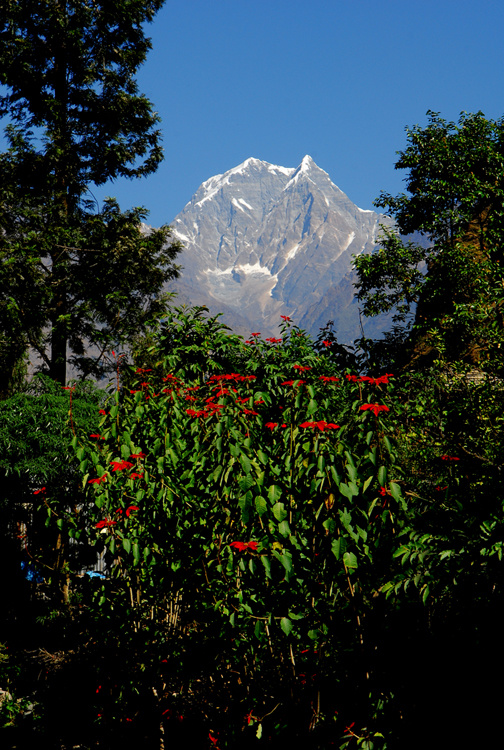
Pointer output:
x,y
262,241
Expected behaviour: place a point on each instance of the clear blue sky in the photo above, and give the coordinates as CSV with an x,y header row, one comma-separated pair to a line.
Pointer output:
x,y
277,79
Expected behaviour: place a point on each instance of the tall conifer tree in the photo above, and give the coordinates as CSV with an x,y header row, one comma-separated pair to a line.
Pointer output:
x,y
72,276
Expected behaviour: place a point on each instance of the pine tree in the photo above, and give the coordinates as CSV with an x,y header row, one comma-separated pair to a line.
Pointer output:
x,y
72,276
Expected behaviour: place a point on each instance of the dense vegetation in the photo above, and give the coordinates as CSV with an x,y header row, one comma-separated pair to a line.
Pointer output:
x,y
292,551
240,544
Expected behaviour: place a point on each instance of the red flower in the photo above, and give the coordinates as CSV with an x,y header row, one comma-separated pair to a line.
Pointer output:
x,y
255,334
293,382
138,455
383,379
352,378
271,425
120,511
285,317
104,524
251,411
135,475
37,492
322,425
274,341
301,368
130,510
383,491
141,370
99,480
195,413
375,408
243,546
449,458
328,378
98,437
327,343
102,411
120,465
240,546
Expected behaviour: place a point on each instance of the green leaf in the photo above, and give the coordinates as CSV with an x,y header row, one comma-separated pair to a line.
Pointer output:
x,y
126,545
279,511
261,505
366,484
284,529
338,547
286,625
350,561
349,490
329,525
274,493
245,483
397,494
382,476
263,458
267,565
245,462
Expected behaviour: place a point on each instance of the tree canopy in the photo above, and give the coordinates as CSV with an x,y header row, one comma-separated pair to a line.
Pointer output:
x,y
74,274
454,204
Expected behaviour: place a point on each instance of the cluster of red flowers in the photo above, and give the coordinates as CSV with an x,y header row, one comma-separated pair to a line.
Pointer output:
x,y
105,523
321,425
99,480
232,376
129,510
328,378
272,340
382,380
375,408
121,465
449,458
243,546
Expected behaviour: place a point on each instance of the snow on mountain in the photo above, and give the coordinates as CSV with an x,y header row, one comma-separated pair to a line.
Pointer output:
x,y
262,241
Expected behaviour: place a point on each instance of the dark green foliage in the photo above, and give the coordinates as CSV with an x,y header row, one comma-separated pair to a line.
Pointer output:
x,y
73,276
455,198
70,69
37,462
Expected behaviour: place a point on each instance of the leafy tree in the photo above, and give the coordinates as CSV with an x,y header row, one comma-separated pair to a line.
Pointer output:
x,y
39,475
71,276
455,201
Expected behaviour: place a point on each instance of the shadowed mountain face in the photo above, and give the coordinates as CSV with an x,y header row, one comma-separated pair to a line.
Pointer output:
x,y
263,241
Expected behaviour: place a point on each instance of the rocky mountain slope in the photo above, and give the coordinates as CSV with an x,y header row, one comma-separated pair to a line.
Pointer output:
x,y
262,241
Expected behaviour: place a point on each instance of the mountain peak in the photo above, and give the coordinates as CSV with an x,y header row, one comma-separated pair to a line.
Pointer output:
x,y
307,163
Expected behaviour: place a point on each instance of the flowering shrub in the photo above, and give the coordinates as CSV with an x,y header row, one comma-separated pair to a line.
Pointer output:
x,y
190,464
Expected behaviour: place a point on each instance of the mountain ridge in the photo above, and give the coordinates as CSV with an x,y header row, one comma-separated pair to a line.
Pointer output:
x,y
261,240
